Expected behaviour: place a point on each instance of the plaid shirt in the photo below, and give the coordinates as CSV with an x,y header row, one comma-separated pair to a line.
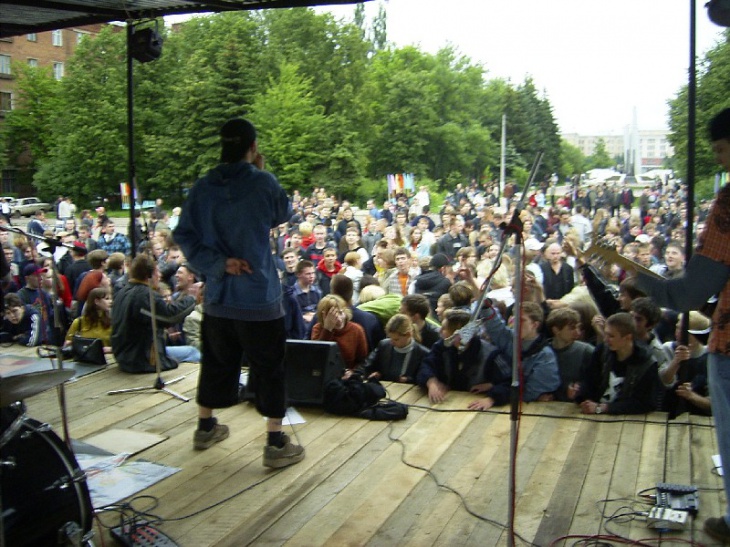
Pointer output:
x,y
715,245
118,244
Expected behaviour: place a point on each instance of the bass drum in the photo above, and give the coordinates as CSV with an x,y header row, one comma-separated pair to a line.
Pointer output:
x,y
45,500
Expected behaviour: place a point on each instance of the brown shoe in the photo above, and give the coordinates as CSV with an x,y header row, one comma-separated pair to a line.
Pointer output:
x,y
206,439
288,454
718,529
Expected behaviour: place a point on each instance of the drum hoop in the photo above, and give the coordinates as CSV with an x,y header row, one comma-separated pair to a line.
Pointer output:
x,y
76,475
12,429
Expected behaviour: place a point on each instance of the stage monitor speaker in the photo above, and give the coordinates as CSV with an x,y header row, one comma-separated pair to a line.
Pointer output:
x,y
146,45
310,365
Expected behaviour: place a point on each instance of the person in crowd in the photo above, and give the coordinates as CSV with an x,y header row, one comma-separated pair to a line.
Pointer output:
x,y
33,295
451,242
92,280
574,356
444,303
290,258
112,241
315,252
452,364
21,323
558,278
352,242
540,373
343,287
398,357
398,280
684,375
673,264
416,307
79,263
306,291
348,216
328,267
435,282
38,224
334,324
95,322
647,315
623,377
115,267
132,333
352,268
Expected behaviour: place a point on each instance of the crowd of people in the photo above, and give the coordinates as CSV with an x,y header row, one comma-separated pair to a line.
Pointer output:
x,y
98,290
393,285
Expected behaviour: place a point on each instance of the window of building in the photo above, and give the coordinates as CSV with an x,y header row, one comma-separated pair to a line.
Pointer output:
x,y
58,70
4,64
57,37
79,36
33,63
32,37
6,102
9,181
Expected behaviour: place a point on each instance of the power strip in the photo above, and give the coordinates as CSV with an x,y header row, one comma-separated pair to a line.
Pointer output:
x,y
663,518
141,534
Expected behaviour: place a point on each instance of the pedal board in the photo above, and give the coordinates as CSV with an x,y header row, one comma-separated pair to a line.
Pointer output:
x,y
680,497
141,534
663,518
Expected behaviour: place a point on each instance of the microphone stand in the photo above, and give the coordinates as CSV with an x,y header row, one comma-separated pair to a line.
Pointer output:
x,y
514,228
53,244
159,384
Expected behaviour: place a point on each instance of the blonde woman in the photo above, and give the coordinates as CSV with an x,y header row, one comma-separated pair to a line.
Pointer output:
x,y
398,357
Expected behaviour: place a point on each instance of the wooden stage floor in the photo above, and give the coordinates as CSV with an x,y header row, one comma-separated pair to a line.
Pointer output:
x,y
374,483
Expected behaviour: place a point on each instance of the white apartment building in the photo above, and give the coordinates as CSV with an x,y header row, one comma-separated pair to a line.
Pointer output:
x,y
654,145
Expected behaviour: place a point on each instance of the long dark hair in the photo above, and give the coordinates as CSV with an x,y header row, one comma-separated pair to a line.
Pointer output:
x,y
95,315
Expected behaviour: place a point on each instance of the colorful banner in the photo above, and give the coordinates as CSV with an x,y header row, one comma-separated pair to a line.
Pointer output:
x,y
401,183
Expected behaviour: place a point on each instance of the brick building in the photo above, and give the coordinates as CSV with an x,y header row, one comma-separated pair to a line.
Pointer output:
x,y
42,49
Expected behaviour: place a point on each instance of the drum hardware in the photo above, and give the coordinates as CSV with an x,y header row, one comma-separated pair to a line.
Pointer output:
x,y
38,470
77,477
20,387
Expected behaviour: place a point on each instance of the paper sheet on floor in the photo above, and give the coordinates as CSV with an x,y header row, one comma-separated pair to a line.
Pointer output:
x,y
113,478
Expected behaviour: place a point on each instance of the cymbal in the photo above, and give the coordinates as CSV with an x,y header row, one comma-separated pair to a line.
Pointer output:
x,y
22,386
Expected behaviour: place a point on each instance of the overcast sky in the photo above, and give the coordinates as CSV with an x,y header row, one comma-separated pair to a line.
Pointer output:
x,y
595,59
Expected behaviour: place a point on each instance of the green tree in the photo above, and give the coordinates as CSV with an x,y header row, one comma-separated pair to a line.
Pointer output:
x,y
573,161
89,154
291,128
600,158
712,96
28,128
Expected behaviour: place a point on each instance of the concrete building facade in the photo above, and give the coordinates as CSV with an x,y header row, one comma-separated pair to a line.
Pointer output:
x,y
653,148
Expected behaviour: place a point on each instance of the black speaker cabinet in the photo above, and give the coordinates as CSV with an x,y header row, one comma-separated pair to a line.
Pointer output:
x,y
146,45
310,364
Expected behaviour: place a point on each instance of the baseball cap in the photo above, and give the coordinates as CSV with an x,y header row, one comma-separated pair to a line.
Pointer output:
x,y
439,260
31,269
79,247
